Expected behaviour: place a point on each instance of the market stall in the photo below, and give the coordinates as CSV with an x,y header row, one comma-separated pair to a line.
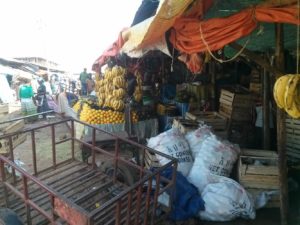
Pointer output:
x,y
205,84
118,105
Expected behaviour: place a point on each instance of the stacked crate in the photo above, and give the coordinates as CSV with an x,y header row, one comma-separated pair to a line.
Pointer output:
x,y
237,104
293,139
255,83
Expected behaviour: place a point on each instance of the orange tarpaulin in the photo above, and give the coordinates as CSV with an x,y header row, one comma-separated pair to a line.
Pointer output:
x,y
218,32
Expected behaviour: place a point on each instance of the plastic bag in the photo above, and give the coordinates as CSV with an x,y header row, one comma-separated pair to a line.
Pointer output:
x,y
173,143
214,157
196,138
226,200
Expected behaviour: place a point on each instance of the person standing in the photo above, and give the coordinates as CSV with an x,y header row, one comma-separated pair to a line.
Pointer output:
x,y
83,77
41,98
90,84
25,94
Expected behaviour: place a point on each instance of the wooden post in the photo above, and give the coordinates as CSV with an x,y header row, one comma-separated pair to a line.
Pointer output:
x,y
282,165
266,109
212,71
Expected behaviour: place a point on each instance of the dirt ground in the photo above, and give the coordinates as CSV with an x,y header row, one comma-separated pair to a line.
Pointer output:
x,y
23,154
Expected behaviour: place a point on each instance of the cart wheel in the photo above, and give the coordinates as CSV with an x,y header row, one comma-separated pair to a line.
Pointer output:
x,y
9,217
126,174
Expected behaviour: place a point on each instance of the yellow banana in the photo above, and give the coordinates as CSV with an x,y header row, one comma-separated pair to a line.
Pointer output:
x,y
294,111
290,91
279,90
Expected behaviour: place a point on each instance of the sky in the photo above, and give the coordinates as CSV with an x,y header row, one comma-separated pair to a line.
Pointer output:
x,y
70,33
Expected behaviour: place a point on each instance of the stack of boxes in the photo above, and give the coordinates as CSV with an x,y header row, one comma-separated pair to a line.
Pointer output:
x,y
255,83
237,105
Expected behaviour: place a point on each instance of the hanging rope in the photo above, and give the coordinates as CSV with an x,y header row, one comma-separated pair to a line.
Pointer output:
x,y
298,33
214,57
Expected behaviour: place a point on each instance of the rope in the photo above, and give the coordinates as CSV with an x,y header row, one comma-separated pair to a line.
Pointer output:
x,y
214,57
239,52
298,33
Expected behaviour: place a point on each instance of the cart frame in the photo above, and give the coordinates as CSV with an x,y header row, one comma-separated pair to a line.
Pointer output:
x,y
62,208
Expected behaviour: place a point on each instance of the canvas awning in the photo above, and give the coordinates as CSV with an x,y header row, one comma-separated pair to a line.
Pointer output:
x,y
191,34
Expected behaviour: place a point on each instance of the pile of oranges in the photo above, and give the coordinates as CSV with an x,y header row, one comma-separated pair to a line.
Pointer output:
x,y
94,116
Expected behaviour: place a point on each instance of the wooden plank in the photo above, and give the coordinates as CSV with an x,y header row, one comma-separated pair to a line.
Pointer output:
x,y
257,181
292,131
260,170
13,127
259,153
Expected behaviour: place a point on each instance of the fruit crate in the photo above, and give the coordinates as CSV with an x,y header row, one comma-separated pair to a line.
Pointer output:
x,y
258,171
293,139
214,119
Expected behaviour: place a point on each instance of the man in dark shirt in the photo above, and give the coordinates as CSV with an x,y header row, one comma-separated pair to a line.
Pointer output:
x,y
83,77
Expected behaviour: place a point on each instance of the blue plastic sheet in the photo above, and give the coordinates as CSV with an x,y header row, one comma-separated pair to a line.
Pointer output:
x,y
187,202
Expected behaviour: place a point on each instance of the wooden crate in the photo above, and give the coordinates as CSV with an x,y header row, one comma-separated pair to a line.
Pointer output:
x,y
258,176
12,127
17,140
293,139
214,119
236,113
151,160
236,96
185,125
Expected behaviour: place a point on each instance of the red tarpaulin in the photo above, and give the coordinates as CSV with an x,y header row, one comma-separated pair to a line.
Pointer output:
x,y
113,50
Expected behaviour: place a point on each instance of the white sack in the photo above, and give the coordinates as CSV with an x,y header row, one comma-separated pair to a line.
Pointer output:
x,y
226,200
173,143
195,138
214,157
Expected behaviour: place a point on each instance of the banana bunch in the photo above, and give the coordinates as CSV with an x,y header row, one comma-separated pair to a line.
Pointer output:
x,y
119,82
119,93
118,71
110,89
138,92
287,94
117,105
